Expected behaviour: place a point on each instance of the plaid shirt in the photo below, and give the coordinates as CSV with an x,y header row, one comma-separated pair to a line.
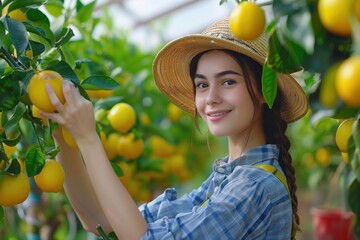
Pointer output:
x,y
237,201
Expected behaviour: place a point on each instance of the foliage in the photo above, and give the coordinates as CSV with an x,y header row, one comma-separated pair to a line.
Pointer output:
x,y
298,41
46,40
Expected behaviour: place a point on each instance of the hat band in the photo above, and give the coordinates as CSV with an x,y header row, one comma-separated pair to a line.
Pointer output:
x,y
233,39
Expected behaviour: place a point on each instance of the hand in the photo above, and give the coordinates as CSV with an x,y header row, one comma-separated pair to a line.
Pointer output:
x,y
77,115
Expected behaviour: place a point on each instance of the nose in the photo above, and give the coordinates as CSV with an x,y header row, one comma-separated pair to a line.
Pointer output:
x,y
213,97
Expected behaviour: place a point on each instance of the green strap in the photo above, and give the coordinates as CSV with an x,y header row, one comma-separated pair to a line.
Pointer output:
x,y
271,169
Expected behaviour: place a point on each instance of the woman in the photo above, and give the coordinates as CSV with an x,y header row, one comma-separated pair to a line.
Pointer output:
x,y
251,192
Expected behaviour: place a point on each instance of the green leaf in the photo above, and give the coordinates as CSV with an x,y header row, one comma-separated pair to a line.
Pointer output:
x,y
9,93
24,3
222,2
345,112
286,7
2,216
35,161
14,167
82,91
99,82
52,153
35,15
43,30
355,163
55,7
107,103
65,70
3,157
279,57
85,12
16,115
353,199
354,196
36,48
79,5
150,164
119,172
356,133
269,85
48,58
15,139
103,236
17,33
65,36
2,33
36,30
67,56
2,66
300,31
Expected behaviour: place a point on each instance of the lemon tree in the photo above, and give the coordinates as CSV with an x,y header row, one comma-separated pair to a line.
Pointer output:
x,y
32,54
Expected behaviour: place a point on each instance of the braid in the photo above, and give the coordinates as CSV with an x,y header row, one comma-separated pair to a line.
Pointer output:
x,y
275,128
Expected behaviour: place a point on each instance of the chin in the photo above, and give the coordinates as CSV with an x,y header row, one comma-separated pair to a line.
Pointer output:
x,y
218,133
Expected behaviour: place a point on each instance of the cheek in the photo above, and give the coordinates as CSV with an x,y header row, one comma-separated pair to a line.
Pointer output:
x,y
242,101
200,105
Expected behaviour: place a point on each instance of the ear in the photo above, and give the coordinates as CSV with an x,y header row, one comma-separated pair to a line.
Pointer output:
x,y
261,98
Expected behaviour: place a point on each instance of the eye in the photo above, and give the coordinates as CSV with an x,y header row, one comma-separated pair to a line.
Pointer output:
x,y
200,85
229,82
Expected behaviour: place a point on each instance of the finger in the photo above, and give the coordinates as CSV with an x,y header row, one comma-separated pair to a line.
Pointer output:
x,y
53,98
68,91
78,95
55,117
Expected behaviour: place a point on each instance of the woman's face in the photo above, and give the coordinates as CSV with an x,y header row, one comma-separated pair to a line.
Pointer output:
x,y
221,96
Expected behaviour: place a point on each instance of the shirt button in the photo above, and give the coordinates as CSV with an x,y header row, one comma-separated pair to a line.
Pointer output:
x,y
222,163
215,189
221,170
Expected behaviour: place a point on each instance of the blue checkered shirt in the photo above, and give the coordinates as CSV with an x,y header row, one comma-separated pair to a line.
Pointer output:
x,y
237,201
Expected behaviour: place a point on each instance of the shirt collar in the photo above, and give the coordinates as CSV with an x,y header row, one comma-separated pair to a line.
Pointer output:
x,y
251,157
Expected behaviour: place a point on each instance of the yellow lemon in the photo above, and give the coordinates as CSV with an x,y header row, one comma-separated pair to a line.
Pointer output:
x,y
14,189
51,178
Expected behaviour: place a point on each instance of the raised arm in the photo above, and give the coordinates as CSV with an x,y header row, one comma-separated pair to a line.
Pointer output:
x,y
78,187
77,117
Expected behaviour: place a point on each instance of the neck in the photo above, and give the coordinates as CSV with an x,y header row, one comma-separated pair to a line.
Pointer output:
x,y
240,144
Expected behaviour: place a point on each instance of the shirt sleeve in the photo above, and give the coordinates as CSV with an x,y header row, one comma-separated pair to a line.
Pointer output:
x,y
241,210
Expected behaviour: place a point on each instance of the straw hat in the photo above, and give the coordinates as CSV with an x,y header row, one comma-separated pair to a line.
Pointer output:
x,y
172,68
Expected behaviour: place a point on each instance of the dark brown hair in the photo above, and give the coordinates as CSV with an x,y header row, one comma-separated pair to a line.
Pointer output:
x,y
274,126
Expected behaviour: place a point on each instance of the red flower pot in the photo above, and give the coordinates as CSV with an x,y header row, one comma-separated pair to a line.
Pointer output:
x,y
332,224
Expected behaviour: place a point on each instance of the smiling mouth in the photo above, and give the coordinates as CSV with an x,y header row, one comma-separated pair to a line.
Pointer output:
x,y
218,114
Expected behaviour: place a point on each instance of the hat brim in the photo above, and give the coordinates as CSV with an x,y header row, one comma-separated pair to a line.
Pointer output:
x,y
171,69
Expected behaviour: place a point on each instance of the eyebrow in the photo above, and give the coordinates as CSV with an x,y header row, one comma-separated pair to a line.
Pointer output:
x,y
220,74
